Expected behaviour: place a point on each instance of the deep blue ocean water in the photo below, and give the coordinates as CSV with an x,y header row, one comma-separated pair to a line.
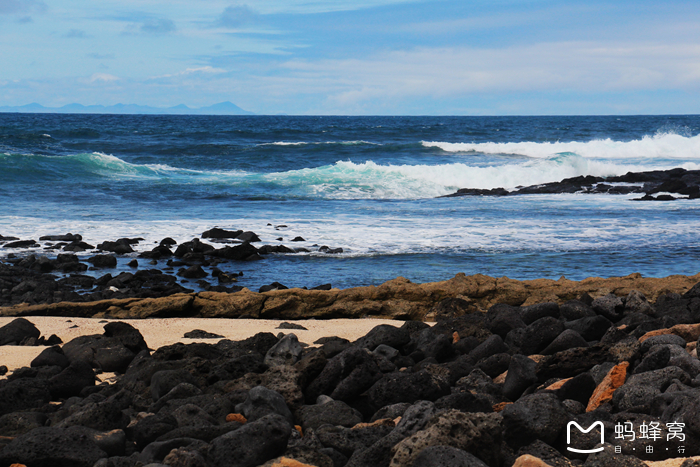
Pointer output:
x,y
369,185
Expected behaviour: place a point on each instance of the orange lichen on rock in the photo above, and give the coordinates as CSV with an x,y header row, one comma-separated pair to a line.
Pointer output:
x,y
557,385
500,406
604,392
287,462
298,428
380,422
689,332
530,461
236,417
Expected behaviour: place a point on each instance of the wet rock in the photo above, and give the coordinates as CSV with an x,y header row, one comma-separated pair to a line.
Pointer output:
x,y
103,261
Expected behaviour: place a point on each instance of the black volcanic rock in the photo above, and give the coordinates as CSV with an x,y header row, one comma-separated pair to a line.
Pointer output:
x,y
683,183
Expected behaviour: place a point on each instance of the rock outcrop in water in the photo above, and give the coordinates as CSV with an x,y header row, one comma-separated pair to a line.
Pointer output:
x,y
398,299
494,389
657,185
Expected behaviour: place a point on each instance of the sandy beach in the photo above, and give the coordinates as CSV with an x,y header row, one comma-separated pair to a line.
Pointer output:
x,y
160,332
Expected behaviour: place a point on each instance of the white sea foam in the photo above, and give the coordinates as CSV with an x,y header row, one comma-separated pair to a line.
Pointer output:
x,y
369,233
349,180
664,145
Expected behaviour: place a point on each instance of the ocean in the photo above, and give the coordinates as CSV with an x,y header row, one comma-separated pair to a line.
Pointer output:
x,y
368,185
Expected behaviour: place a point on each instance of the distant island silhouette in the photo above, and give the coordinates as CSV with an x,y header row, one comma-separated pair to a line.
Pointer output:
x,y
222,108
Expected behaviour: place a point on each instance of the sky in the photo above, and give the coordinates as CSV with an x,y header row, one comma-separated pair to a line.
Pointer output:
x,y
362,57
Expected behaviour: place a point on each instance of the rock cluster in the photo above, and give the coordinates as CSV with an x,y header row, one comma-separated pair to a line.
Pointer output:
x,y
60,275
656,185
497,388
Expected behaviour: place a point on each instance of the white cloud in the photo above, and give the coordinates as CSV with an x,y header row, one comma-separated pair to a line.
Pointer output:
x,y
103,78
206,70
549,67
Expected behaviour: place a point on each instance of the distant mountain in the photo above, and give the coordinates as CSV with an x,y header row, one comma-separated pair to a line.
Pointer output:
x,y
222,108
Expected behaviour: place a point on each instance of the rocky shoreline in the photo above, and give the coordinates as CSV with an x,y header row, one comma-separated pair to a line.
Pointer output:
x,y
395,299
656,185
61,268
494,388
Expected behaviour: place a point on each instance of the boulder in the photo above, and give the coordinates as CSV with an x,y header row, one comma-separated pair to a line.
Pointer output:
x,y
407,387
72,380
261,402
252,444
103,261
535,337
475,433
446,456
18,330
522,373
285,352
48,446
336,413
537,416
51,356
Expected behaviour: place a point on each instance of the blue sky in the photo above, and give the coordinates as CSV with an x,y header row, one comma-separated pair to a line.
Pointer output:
x,y
364,57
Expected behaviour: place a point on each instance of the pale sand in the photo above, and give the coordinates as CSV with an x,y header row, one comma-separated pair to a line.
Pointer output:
x,y
165,331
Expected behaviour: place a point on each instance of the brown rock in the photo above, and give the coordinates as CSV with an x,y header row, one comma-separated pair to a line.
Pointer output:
x,y
455,337
380,422
557,385
286,462
298,428
398,298
236,417
689,332
605,390
530,461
